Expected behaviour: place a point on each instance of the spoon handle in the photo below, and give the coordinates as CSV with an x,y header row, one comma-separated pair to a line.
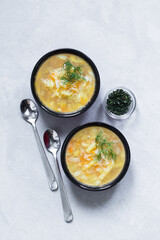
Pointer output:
x,y
68,216
49,173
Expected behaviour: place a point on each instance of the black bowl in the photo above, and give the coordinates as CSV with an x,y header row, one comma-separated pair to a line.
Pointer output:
x,y
123,171
75,52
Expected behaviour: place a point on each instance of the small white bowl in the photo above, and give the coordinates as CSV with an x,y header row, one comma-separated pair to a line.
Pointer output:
x,y
131,107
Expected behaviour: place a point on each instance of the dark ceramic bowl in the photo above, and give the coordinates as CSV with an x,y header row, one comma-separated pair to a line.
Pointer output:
x,y
75,52
123,171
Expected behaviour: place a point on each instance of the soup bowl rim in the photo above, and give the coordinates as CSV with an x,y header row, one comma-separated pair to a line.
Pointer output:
x,y
66,51
114,181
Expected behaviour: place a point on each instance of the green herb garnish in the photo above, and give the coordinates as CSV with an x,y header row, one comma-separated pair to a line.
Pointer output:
x,y
72,73
118,102
104,147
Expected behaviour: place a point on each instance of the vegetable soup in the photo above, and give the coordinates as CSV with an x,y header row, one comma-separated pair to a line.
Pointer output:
x,y
95,156
65,83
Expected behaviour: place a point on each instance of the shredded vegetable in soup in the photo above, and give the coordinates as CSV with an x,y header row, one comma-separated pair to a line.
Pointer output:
x,y
65,83
95,156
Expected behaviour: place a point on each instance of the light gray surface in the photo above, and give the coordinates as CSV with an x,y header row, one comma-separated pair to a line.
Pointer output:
x,y
123,39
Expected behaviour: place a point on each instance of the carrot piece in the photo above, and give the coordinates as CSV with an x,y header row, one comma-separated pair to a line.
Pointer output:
x,y
52,76
70,149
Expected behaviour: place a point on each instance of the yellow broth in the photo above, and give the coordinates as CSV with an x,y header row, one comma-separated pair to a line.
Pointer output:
x,y
81,161
59,96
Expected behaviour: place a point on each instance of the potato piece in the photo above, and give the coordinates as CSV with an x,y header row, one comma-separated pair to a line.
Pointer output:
x,y
118,150
84,177
84,144
75,59
48,83
88,78
66,93
76,153
74,159
89,165
57,83
97,182
56,94
91,73
91,147
77,173
106,171
79,96
62,56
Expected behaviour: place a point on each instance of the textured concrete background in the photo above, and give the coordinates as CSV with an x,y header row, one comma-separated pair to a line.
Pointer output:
x,y
123,39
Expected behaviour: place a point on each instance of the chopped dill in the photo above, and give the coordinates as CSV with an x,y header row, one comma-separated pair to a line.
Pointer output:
x,y
118,102
104,147
72,73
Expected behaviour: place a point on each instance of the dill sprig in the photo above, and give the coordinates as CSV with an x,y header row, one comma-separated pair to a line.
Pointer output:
x,y
104,147
72,73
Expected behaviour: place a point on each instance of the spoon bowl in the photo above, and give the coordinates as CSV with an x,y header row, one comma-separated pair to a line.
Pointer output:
x,y
51,140
29,110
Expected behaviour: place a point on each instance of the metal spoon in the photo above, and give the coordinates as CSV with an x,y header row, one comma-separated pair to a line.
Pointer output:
x,y
30,114
52,143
